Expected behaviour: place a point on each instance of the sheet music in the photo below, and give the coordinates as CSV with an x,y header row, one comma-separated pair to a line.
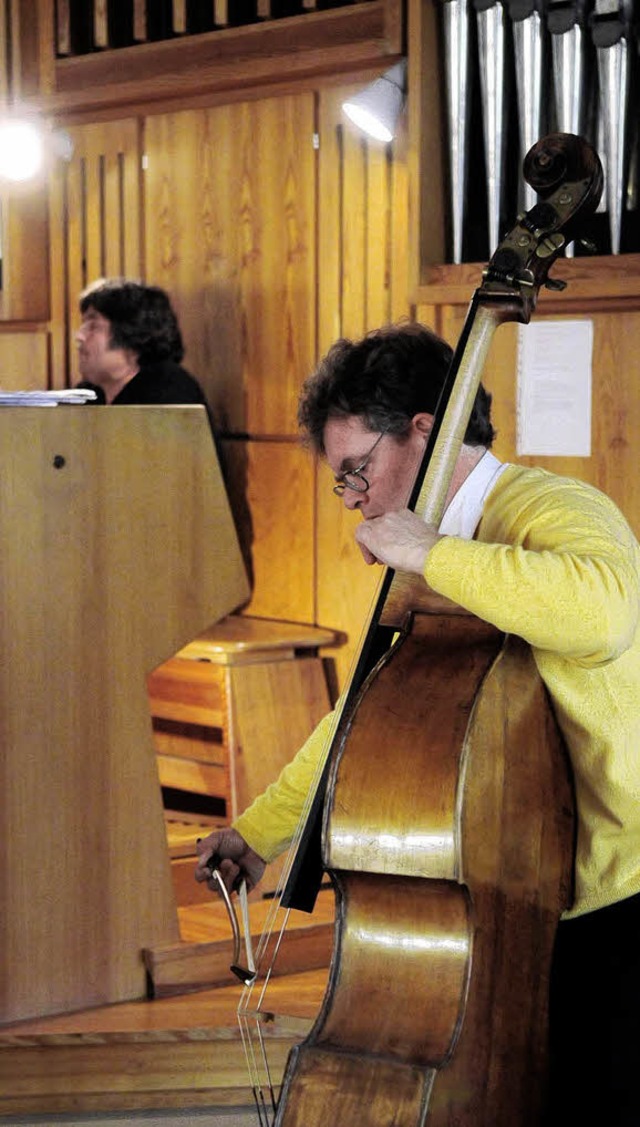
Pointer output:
x,y
46,398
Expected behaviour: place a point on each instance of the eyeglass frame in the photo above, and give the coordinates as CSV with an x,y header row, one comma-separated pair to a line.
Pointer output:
x,y
341,479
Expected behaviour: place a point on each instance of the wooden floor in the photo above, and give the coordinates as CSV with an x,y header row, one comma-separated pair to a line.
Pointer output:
x,y
181,1050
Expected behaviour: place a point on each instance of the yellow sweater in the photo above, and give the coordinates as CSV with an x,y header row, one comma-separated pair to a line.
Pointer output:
x,y
554,562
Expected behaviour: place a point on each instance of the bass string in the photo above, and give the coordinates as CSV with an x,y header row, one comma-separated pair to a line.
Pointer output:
x,y
266,1117
249,1011
337,716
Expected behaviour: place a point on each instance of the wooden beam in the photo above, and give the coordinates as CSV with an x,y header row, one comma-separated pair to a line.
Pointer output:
x,y
272,55
179,17
63,28
140,23
100,24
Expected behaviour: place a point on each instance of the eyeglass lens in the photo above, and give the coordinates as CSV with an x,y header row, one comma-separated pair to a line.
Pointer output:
x,y
355,479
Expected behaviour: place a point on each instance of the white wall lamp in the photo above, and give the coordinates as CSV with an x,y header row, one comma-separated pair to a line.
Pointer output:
x,y
376,109
26,146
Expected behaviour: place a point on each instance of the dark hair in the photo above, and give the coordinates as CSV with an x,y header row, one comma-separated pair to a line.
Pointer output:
x,y
386,378
141,317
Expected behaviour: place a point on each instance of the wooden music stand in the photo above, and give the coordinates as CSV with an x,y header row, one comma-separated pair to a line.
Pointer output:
x,y
117,546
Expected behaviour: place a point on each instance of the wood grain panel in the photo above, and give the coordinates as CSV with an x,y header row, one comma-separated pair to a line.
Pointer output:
x,y
362,284
232,239
284,698
24,293
329,220
271,491
362,224
354,232
400,250
96,202
4,49
24,361
378,228
59,287
279,490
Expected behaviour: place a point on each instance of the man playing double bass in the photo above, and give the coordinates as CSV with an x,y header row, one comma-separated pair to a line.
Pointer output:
x,y
548,559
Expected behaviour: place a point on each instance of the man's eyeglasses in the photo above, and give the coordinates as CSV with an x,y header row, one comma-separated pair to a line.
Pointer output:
x,y
355,479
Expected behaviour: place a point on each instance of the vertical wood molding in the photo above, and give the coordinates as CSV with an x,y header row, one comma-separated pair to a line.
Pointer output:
x,y
363,278
95,203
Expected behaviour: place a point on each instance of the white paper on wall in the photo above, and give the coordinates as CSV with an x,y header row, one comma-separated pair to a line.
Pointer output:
x,y
554,388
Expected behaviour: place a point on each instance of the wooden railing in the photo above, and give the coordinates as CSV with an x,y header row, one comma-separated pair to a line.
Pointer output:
x,y
83,26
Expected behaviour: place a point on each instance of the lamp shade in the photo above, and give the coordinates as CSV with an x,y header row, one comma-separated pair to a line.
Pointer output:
x,y
376,109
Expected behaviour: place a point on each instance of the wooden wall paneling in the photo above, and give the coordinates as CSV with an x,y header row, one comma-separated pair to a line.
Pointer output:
x,y
72,215
401,232
31,34
378,236
230,197
362,284
98,205
94,203
24,360
234,462
281,315
24,295
59,287
354,232
280,483
24,291
271,490
329,219
5,69
192,246
379,172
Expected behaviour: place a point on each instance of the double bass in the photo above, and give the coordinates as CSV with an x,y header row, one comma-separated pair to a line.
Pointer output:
x,y
444,815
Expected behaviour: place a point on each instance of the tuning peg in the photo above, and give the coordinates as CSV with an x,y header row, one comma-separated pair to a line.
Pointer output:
x,y
555,284
588,246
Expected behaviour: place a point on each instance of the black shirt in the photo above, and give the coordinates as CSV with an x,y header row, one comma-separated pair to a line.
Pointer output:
x,y
163,382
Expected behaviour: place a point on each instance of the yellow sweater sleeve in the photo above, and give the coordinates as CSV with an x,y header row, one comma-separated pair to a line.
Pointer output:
x,y
554,562
270,823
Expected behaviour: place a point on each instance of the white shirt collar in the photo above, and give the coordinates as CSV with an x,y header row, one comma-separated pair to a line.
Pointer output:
x,y
462,515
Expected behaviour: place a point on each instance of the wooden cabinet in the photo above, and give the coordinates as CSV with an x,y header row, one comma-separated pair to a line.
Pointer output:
x,y
229,712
